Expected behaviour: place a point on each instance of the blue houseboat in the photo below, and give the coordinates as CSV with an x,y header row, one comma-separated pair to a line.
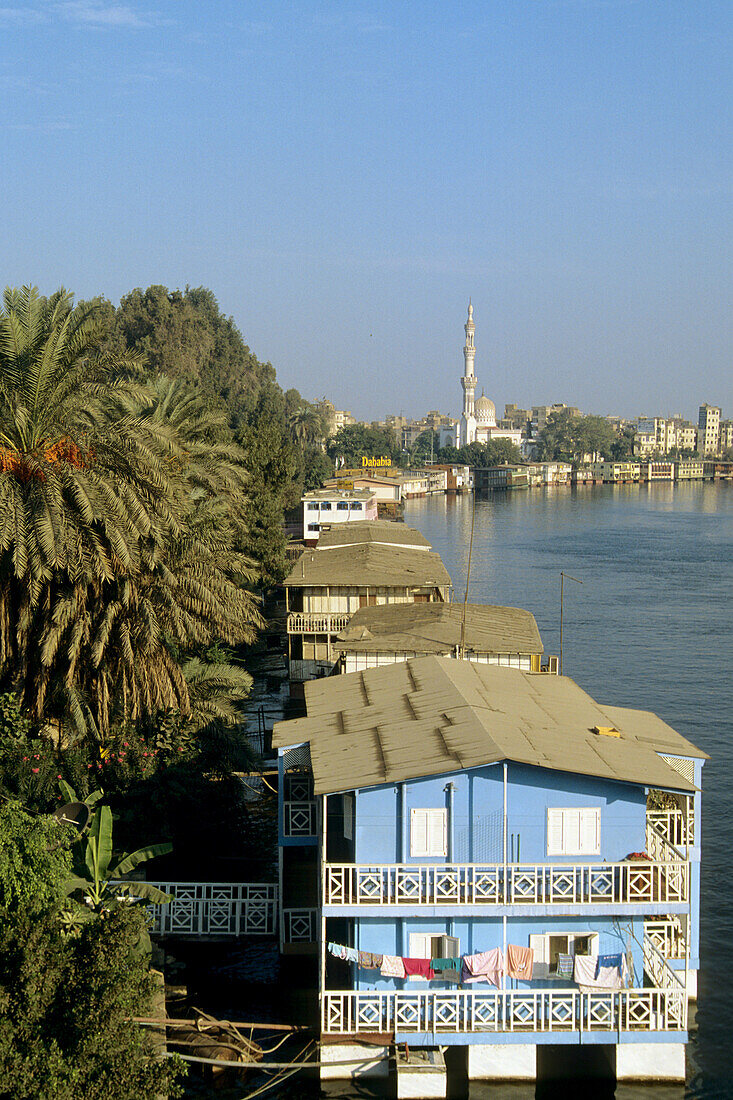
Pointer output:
x,y
502,864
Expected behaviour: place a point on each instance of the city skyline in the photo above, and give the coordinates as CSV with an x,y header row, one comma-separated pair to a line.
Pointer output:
x,y
344,178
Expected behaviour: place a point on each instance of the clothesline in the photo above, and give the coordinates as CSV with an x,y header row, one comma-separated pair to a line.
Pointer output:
x,y
587,971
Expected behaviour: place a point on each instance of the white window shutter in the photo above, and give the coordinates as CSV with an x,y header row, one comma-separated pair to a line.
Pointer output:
x,y
418,832
572,831
437,833
590,832
540,944
555,839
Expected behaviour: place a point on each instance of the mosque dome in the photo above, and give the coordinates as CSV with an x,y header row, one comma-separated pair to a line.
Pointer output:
x,y
485,410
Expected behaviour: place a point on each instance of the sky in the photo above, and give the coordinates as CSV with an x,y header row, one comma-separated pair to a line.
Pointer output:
x,y
343,176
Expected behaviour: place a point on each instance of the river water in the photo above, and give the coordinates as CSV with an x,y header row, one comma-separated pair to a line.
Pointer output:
x,y
651,627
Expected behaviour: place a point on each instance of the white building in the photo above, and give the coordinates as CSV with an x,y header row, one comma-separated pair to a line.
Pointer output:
x,y
478,421
334,505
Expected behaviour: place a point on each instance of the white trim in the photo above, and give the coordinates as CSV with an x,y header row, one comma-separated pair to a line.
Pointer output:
x,y
428,833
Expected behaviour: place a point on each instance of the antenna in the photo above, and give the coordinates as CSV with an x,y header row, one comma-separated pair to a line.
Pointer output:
x,y
562,579
468,578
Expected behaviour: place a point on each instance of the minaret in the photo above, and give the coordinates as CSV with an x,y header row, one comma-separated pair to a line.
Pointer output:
x,y
468,420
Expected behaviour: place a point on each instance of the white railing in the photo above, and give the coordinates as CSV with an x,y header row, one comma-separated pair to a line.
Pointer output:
x,y
658,969
216,909
667,936
658,847
299,925
543,1010
565,884
317,622
676,827
299,819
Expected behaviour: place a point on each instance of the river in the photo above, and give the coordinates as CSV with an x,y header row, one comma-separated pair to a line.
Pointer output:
x,y
651,627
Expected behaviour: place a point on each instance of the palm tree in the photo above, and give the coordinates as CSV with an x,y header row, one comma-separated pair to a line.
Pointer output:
x,y
121,510
305,425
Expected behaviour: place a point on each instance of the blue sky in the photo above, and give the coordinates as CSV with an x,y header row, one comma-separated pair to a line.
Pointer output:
x,y
344,175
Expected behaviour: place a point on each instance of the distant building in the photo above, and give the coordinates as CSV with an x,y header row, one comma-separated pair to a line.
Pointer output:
x,y
478,421
708,424
492,635
334,418
356,565
499,478
333,505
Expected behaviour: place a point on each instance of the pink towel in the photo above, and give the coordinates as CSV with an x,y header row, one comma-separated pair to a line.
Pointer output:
x,y
486,966
392,967
418,968
519,962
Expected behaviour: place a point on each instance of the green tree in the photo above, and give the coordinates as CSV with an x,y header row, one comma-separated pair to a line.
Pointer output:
x,y
67,1006
184,335
355,440
35,860
123,516
622,447
569,437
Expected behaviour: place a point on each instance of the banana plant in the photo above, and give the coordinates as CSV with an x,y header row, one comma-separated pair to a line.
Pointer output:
x,y
98,881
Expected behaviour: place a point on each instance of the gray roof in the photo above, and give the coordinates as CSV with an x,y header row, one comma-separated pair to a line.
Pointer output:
x,y
432,715
424,628
383,531
338,494
369,564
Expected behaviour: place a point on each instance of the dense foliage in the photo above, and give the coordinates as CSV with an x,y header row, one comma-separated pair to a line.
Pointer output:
x,y
495,452
355,440
573,438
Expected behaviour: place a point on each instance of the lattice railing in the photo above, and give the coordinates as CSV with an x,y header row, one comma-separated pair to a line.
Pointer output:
x,y
543,1010
658,969
299,925
216,909
667,936
317,622
676,827
522,884
299,819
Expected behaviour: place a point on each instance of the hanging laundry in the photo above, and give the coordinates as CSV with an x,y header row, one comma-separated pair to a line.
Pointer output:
x,y
338,950
392,967
418,968
369,961
565,966
486,966
584,970
351,954
448,970
519,962
606,961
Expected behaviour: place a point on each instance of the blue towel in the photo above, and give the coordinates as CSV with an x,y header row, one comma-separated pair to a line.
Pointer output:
x,y
609,960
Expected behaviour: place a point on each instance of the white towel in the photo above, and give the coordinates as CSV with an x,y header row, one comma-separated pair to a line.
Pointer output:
x,y
392,966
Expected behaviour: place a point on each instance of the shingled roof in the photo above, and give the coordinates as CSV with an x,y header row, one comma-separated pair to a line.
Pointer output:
x,y
384,531
369,564
425,628
432,715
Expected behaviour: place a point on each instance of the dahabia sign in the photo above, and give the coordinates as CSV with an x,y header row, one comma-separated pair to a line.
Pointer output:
x,y
371,463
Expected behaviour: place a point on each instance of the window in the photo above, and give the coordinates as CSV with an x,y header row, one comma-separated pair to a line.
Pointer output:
x,y
573,832
342,506
425,945
312,526
325,505
548,946
348,817
313,506
356,506
428,833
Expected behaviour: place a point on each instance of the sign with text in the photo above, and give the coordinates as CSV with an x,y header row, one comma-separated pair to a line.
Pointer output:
x,y
371,463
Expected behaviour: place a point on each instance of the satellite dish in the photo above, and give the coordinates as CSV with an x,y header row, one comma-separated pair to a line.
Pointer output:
x,y
77,814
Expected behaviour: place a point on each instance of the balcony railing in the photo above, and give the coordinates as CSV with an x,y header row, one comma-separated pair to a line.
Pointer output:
x,y
299,819
318,622
542,1010
216,909
299,925
667,936
677,828
457,884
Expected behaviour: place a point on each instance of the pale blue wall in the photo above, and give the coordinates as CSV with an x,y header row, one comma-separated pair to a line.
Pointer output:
x,y
383,814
